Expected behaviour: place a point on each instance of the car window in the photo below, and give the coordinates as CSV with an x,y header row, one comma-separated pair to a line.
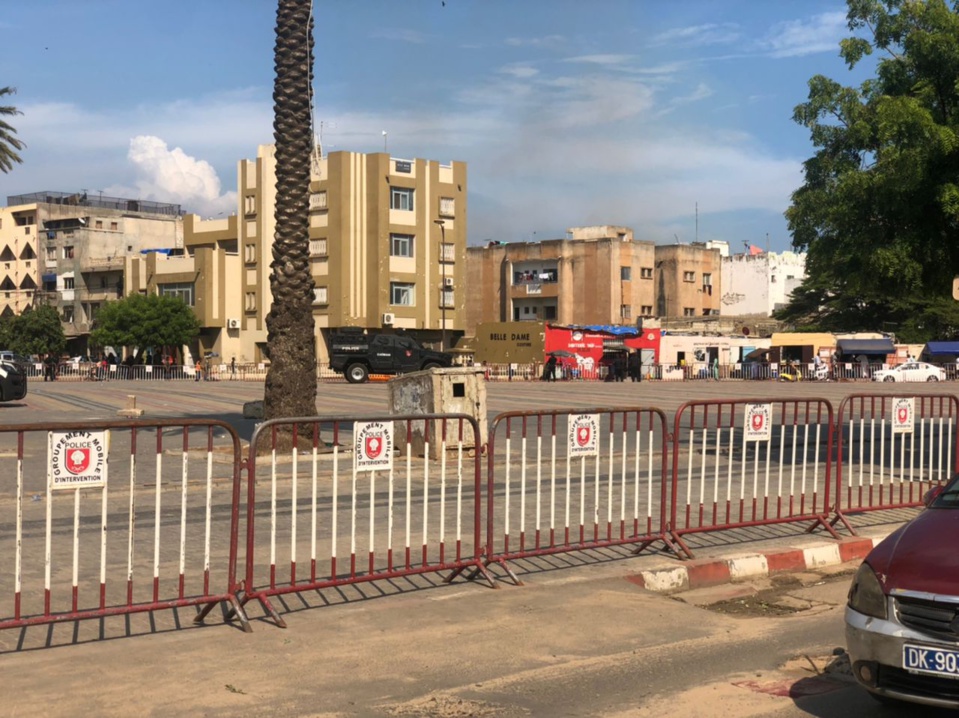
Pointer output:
x,y
949,498
381,341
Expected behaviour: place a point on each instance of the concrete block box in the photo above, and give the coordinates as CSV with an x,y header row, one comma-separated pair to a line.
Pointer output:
x,y
456,390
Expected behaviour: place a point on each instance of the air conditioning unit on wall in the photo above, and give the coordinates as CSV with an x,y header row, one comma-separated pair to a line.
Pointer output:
x,y
389,318
232,323
447,281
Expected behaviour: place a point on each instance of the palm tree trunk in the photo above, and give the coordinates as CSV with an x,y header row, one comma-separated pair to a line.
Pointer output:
x,y
291,381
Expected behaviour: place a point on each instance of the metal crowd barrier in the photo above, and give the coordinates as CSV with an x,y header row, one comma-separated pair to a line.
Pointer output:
x,y
750,462
569,480
121,518
341,509
892,450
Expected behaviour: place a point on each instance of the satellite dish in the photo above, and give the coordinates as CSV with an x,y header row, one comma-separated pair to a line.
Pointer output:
x,y
745,331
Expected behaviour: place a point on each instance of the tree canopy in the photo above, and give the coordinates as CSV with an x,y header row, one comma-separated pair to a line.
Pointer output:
x,y
142,321
36,331
8,139
878,213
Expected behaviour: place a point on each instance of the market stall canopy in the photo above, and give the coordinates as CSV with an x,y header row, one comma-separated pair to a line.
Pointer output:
x,y
756,354
865,346
934,348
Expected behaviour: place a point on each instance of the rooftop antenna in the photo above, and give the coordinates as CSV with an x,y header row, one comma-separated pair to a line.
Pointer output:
x,y
697,221
677,238
384,142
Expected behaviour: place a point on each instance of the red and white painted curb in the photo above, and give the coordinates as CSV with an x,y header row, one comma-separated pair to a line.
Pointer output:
x,y
713,572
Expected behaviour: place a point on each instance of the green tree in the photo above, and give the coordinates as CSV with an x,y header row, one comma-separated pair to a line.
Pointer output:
x,y
8,140
878,213
37,331
291,381
145,320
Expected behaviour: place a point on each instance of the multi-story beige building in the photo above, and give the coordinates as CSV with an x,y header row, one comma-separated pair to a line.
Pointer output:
x,y
387,251
687,280
68,250
596,275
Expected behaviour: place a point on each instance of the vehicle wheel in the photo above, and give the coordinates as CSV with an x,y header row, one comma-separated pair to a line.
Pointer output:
x,y
357,373
430,365
933,378
888,378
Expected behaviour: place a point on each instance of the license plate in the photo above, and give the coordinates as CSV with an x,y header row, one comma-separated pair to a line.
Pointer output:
x,y
932,661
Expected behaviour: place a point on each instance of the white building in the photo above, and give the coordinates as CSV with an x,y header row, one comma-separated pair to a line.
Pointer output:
x,y
758,284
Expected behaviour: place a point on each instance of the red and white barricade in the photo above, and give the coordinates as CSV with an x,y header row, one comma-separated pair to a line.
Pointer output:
x,y
750,462
893,449
120,518
361,499
568,480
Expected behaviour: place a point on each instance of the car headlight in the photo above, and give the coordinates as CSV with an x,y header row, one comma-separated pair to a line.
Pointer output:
x,y
865,593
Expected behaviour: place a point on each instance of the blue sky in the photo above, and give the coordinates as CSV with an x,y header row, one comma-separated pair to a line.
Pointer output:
x,y
568,113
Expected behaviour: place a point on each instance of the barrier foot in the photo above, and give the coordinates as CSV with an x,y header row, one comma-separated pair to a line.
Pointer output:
x,y
840,517
478,569
268,608
672,540
821,521
203,611
505,567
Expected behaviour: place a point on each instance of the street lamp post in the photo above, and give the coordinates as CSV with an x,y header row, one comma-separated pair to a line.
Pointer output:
x,y
442,224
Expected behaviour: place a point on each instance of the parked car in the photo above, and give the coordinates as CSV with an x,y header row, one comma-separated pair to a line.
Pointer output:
x,y
911,371
902,616
13,381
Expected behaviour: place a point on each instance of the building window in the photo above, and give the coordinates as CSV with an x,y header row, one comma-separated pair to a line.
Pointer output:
x,y
94,310
318,200
401,198
646,310
689,276
26,230
689,312
183,290
68,283
625,311
446,297
447,207
319,295
317,247
251,301
68,314
114,226
549,312
249,253
625,273
707,283
447,252
646,273
68,252
99,224
402,294
103,282
401,245
249,204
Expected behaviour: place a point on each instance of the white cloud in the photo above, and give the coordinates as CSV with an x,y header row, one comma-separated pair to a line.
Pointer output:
x,y
608,59
699,35
794,38
519,71
544,41
171,175
701,92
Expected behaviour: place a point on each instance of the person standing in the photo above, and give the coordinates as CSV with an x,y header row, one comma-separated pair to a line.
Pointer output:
x,y
549,371
199,369
233,368
716,368
634,364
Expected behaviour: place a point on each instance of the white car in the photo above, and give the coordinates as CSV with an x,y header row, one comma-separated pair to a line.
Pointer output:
x,y
911,371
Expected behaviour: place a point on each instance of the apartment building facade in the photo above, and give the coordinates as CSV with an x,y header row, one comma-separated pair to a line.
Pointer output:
x,y
757,283
596,275
387,251
69,251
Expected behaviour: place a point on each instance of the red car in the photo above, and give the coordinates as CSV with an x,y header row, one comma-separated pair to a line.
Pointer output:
x,y
902,616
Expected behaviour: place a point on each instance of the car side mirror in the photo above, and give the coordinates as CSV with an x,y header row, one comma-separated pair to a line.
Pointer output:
x,y
931,495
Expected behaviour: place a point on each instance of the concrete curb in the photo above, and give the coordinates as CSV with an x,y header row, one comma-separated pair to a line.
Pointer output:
x,y
702,573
